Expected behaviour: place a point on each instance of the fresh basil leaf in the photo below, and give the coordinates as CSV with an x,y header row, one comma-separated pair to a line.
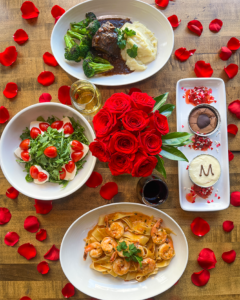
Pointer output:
x,y
160,100
29,178
175,138
41,119
26,134
132,52
160,166
172,153
166,109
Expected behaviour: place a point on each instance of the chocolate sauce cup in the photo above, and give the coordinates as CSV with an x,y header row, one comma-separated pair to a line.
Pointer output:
x,y
201,185
216,113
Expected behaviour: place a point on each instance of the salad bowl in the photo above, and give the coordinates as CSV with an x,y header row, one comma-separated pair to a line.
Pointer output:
x,y
10,140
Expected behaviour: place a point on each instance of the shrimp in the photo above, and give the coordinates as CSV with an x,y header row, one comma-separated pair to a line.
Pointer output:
x,y
148,266
94,249
120,253
109,245
142,253
158,234
121,266
166,250
115,230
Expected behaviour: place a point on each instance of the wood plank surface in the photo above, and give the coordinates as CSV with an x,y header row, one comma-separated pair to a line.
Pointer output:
x,y
19,277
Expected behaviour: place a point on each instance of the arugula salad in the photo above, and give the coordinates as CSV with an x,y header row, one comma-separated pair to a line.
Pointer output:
x,y
52,150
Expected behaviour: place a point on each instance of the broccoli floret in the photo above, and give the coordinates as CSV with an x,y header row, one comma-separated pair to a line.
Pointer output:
x,y
91,16
90,30
84,40
73,51
91,68
84,23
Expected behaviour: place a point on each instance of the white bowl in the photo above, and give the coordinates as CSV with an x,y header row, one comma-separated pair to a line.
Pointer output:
x,y
10,140
106,287
147,14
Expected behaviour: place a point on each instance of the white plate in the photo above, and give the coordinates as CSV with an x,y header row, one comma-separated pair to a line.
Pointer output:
x,y
222,187
10,140
106,287
151,17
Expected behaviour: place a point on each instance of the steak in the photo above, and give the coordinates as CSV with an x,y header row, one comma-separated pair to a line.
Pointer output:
x,y
105,39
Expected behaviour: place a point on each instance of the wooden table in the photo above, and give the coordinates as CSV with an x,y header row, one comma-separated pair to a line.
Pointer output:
x,y
18,276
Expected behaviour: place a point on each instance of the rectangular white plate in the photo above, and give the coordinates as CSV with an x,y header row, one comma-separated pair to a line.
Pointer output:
x,y
222,187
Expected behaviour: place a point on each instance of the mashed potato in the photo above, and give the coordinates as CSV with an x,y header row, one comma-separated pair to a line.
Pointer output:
x,y
147,47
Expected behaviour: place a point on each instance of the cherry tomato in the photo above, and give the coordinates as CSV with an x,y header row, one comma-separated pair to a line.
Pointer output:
x,y
34,172
25,155
76,156
43,126
76,145
68,129
62,173
25,144
42,176
70,166
57,125
50,151
34,133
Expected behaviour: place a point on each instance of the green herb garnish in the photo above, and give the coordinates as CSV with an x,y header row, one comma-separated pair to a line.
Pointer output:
x,y
131,253
132,52
122,36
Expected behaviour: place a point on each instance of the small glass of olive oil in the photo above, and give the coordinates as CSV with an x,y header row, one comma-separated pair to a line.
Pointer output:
x,y
86,97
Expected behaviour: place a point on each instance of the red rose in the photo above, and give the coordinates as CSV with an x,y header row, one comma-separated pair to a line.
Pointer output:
x,y
99,150
159,122
151,142
124,142
104,123
118,103
143,101
143,166
120,163
135,120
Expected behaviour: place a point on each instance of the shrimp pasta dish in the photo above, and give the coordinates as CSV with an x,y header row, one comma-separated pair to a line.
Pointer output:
x,y
132,246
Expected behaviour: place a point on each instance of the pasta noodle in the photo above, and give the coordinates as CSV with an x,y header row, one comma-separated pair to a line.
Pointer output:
x,y
131,246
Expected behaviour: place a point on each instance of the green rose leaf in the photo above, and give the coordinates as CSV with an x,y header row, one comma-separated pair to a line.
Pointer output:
x,y
166,109
160,100
172,153
160,166
175,138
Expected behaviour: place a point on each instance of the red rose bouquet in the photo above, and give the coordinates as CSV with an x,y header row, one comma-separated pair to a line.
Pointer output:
x,y
133,134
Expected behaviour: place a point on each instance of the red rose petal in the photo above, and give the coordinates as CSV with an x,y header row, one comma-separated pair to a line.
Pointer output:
x,y
162,3
10,90
234,107
230,155
27,250
46,78
195,26
25,298
200,227
68,290
4,115
207,259
183,54
8,56
11,238
109,190
233,44
64,95
232,128
52,254
94,180
203,69
41,235
215,25
133,90
45,97
43,267
234,200
43,207
174,21
12,193
231,70
29,10
229,256
5,215
228,226
56,19
200,278
31,224
49,59
57,11
225,53
20,36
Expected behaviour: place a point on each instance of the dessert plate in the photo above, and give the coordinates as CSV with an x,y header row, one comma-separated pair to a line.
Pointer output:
x,y
220,197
